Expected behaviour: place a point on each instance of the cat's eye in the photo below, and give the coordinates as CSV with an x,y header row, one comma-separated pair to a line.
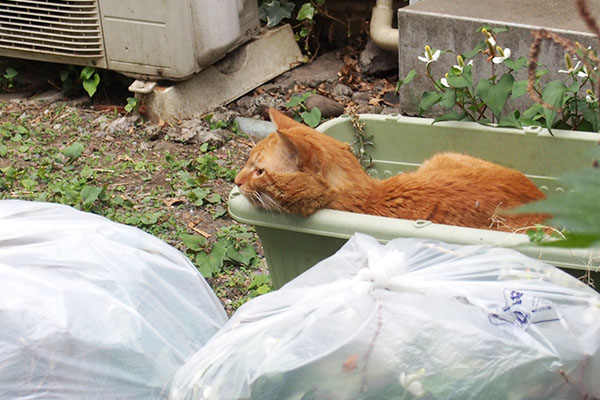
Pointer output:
x,y
259,171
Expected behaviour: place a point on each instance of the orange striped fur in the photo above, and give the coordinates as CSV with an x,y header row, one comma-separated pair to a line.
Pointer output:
x,y
299,170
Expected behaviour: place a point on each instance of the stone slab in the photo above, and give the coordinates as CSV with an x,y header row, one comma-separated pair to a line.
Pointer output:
x,y
246,68
451,25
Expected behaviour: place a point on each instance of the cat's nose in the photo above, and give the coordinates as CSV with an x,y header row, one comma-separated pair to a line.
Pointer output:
x,y
239,178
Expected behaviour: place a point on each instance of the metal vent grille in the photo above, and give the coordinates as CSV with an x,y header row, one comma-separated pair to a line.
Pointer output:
x,y
59,27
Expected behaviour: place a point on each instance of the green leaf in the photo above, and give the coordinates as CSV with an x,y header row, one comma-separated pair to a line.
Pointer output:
x,y
73,151
263,289
64,75
86,172
294,101
428,100
304,31
194,242
307,11
500,29
89,194
3,150
449,116
458,82
28,183
273,12
574,240
149,219
214,198
202,261
408,78
10,73
495,95
517,64
591,116
243,256
552,94
219,212
534,111
519,88
91,85
479,47
197,195
312,117
577,209
510,121
217,255
448,98
87,72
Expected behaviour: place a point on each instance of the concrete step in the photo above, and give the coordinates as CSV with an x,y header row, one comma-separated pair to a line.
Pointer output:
x,y
452,25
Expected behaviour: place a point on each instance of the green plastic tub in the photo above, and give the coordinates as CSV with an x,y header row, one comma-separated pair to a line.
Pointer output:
x,y
293,244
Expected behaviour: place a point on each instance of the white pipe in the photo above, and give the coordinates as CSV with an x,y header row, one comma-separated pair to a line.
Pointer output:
x,y
381,31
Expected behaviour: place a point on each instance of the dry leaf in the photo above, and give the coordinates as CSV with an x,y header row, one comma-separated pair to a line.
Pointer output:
x,y
173,201
192,226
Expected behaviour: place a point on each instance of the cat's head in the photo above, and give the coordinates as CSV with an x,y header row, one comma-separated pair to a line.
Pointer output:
x,y
295,169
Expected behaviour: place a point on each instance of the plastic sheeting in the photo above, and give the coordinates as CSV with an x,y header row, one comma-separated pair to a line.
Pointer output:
x,y
92,309
411,319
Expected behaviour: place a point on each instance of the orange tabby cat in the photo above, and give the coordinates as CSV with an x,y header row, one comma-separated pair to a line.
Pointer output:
x,y
299,170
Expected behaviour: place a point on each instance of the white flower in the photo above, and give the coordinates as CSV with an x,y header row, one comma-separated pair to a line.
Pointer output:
x,y
504,54
584,72
411,384
461,67
428,57
444,82
491,41
571,69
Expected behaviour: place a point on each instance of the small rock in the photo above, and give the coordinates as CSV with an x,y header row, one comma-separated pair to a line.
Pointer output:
x,y
361,97
194,131
50,96
214,137
341,90
391,98
223,114
80,101
373,60
122,124
368,109
329,108
164,147
260,104
152,132
255,127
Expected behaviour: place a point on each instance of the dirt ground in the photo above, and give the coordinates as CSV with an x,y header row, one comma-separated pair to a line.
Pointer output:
x,y
114,137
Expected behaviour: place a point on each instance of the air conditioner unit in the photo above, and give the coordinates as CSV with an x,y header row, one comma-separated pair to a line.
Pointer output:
x,y
144,39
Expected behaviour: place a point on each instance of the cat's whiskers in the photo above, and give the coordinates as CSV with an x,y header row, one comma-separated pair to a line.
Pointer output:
x,y
267,202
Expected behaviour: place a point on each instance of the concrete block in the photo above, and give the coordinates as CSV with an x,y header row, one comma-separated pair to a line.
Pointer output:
x,y
451,25
246,68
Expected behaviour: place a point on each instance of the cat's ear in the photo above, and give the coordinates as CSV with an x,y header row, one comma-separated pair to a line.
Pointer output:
x,y
281,120
290,149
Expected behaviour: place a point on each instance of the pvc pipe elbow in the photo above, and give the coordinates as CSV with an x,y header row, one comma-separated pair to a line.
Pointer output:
x,y
381,31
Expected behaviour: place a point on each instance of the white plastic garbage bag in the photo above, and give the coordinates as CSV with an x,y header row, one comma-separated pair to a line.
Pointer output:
x,y
411,319
92,309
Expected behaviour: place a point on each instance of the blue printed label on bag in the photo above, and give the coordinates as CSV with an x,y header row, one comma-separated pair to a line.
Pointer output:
x,y
524,309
